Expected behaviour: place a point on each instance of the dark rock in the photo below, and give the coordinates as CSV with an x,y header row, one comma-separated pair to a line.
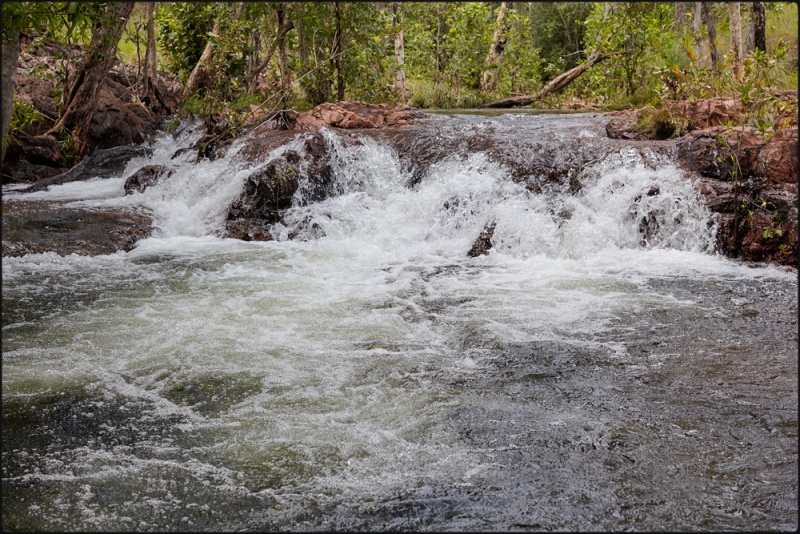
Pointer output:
x,y
145,177
22,171
483,243
754,193
39,92
100,163
114,124
270,191
39,150
247,230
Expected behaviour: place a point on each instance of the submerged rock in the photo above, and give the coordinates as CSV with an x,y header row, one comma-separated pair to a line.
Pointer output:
x,y
37,227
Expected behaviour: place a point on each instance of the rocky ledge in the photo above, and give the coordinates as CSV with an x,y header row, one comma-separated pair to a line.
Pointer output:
x,y
748,177
33,227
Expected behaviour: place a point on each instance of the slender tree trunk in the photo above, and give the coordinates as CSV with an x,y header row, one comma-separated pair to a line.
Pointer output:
x,y
736,38
697,21
438,41
337,53
399,52
150,66
680,18
10,58
198,72
193,83
759,26
80,104
712,35
489,77
302,46
282,59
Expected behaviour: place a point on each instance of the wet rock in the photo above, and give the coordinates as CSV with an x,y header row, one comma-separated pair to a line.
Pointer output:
x,y
357,115
247,230
483,244
145,177
269,191
100,163
37,227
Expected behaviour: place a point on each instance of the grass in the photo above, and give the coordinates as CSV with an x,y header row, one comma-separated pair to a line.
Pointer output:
x,y
427,95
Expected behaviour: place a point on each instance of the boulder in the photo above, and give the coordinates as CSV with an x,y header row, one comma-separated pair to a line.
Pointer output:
x,y
623,126
115,124
707,113
270,190
36,149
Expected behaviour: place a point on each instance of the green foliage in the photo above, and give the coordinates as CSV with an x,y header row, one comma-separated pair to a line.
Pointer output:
x,y
23,114
424,94
558,30
183,34
632,34
658,123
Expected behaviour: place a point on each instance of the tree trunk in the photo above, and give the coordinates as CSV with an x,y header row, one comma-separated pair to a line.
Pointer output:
x,y
10,58
336,52
282,60
697,21
201,69
438,41
712,35
747,47
680,18
759,26
489,77
556,84
150,67
399,53
736,39
80,104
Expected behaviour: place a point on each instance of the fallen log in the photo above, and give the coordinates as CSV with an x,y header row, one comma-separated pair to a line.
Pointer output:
x,y
100,164
557,83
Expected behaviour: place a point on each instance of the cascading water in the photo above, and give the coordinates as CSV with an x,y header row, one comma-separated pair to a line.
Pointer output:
x,y
367,373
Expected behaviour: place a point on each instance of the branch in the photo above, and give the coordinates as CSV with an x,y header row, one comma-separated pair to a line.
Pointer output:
x,y
287,26
556,84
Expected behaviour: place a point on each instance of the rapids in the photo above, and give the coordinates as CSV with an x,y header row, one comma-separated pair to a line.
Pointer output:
x,y
601,368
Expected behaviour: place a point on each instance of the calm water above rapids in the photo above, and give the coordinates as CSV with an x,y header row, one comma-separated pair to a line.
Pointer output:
x,y
369,375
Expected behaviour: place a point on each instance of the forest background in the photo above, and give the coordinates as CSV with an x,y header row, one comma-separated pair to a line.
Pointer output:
x,y
232,56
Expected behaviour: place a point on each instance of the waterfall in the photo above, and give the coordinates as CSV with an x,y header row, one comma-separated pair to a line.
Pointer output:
x,y
362,371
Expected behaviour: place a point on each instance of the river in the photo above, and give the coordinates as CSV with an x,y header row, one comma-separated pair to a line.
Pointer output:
x,y
594,371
